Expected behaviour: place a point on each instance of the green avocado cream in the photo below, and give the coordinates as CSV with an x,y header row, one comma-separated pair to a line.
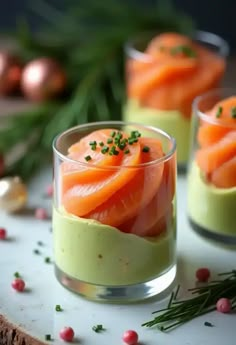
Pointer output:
x,y
170,121
209,207
95,253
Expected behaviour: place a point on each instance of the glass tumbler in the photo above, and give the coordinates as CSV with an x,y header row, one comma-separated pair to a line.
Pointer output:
x,y
114,217
212,168
164,73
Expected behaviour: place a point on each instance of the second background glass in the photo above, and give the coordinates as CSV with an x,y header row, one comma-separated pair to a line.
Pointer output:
x,y
164,73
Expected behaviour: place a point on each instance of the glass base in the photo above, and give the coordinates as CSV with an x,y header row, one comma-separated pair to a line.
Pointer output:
x,y
118,294
216,237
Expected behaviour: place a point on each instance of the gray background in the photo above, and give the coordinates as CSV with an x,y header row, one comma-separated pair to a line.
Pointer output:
x,y
218,16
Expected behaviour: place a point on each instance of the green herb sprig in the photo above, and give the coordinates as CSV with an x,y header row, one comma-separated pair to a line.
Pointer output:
x,y
87,38
98,328
179,312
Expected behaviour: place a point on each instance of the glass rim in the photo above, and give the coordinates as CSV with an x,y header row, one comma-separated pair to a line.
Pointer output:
x,y
165,158
200,35
203,116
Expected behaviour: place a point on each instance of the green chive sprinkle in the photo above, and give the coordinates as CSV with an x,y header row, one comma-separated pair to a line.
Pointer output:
x,y
135,134
101,143
98,328
127,151
48,337
121,146
36,251
17,275
47,260
87,158
219,111
58,307
105,149
208,324
146,149
183,49
92,143
109,141
233,112
113,134
93,147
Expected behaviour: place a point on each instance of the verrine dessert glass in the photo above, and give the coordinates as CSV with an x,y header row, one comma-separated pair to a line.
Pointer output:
x,y
212,169
114,218
164,73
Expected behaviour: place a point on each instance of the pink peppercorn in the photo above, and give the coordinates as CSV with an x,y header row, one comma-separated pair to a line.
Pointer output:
x,y
18,284
223,305
49,190
41,213
130,337
67,334
203,274
3,234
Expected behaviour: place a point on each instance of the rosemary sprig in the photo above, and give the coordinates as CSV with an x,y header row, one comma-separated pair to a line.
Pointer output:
x,y
179,312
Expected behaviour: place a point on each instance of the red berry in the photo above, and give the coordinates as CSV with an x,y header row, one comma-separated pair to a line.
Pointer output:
x,y
67,334
223,305
203,274
18,284
3,234
130,337
41,213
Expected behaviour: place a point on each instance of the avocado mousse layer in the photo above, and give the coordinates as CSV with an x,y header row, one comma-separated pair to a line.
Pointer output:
x,y
210,207
93,252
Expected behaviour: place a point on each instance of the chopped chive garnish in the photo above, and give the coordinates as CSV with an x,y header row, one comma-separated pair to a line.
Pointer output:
x,y
88,158
208,324
98,328
130,141
127,151
183,49
109,141
121,146
219,111
58,307
233,112
40,243
135,134
36,251
105,149
47,260
119,135
92,143
113,134
17,275
101,143
48,337
93,147
146,149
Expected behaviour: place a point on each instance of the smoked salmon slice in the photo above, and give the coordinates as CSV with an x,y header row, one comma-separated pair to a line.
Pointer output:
x,y
225,175
148,217
212,157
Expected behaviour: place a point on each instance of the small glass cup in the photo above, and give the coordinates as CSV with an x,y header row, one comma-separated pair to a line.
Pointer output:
x,y
161,87
212,167
123,246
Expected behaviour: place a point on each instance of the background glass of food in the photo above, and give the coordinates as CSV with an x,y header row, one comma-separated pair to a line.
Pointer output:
x,y
164,73
212,170
114,219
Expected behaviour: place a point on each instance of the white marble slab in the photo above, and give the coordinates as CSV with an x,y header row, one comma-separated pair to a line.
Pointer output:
x,y
35,311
